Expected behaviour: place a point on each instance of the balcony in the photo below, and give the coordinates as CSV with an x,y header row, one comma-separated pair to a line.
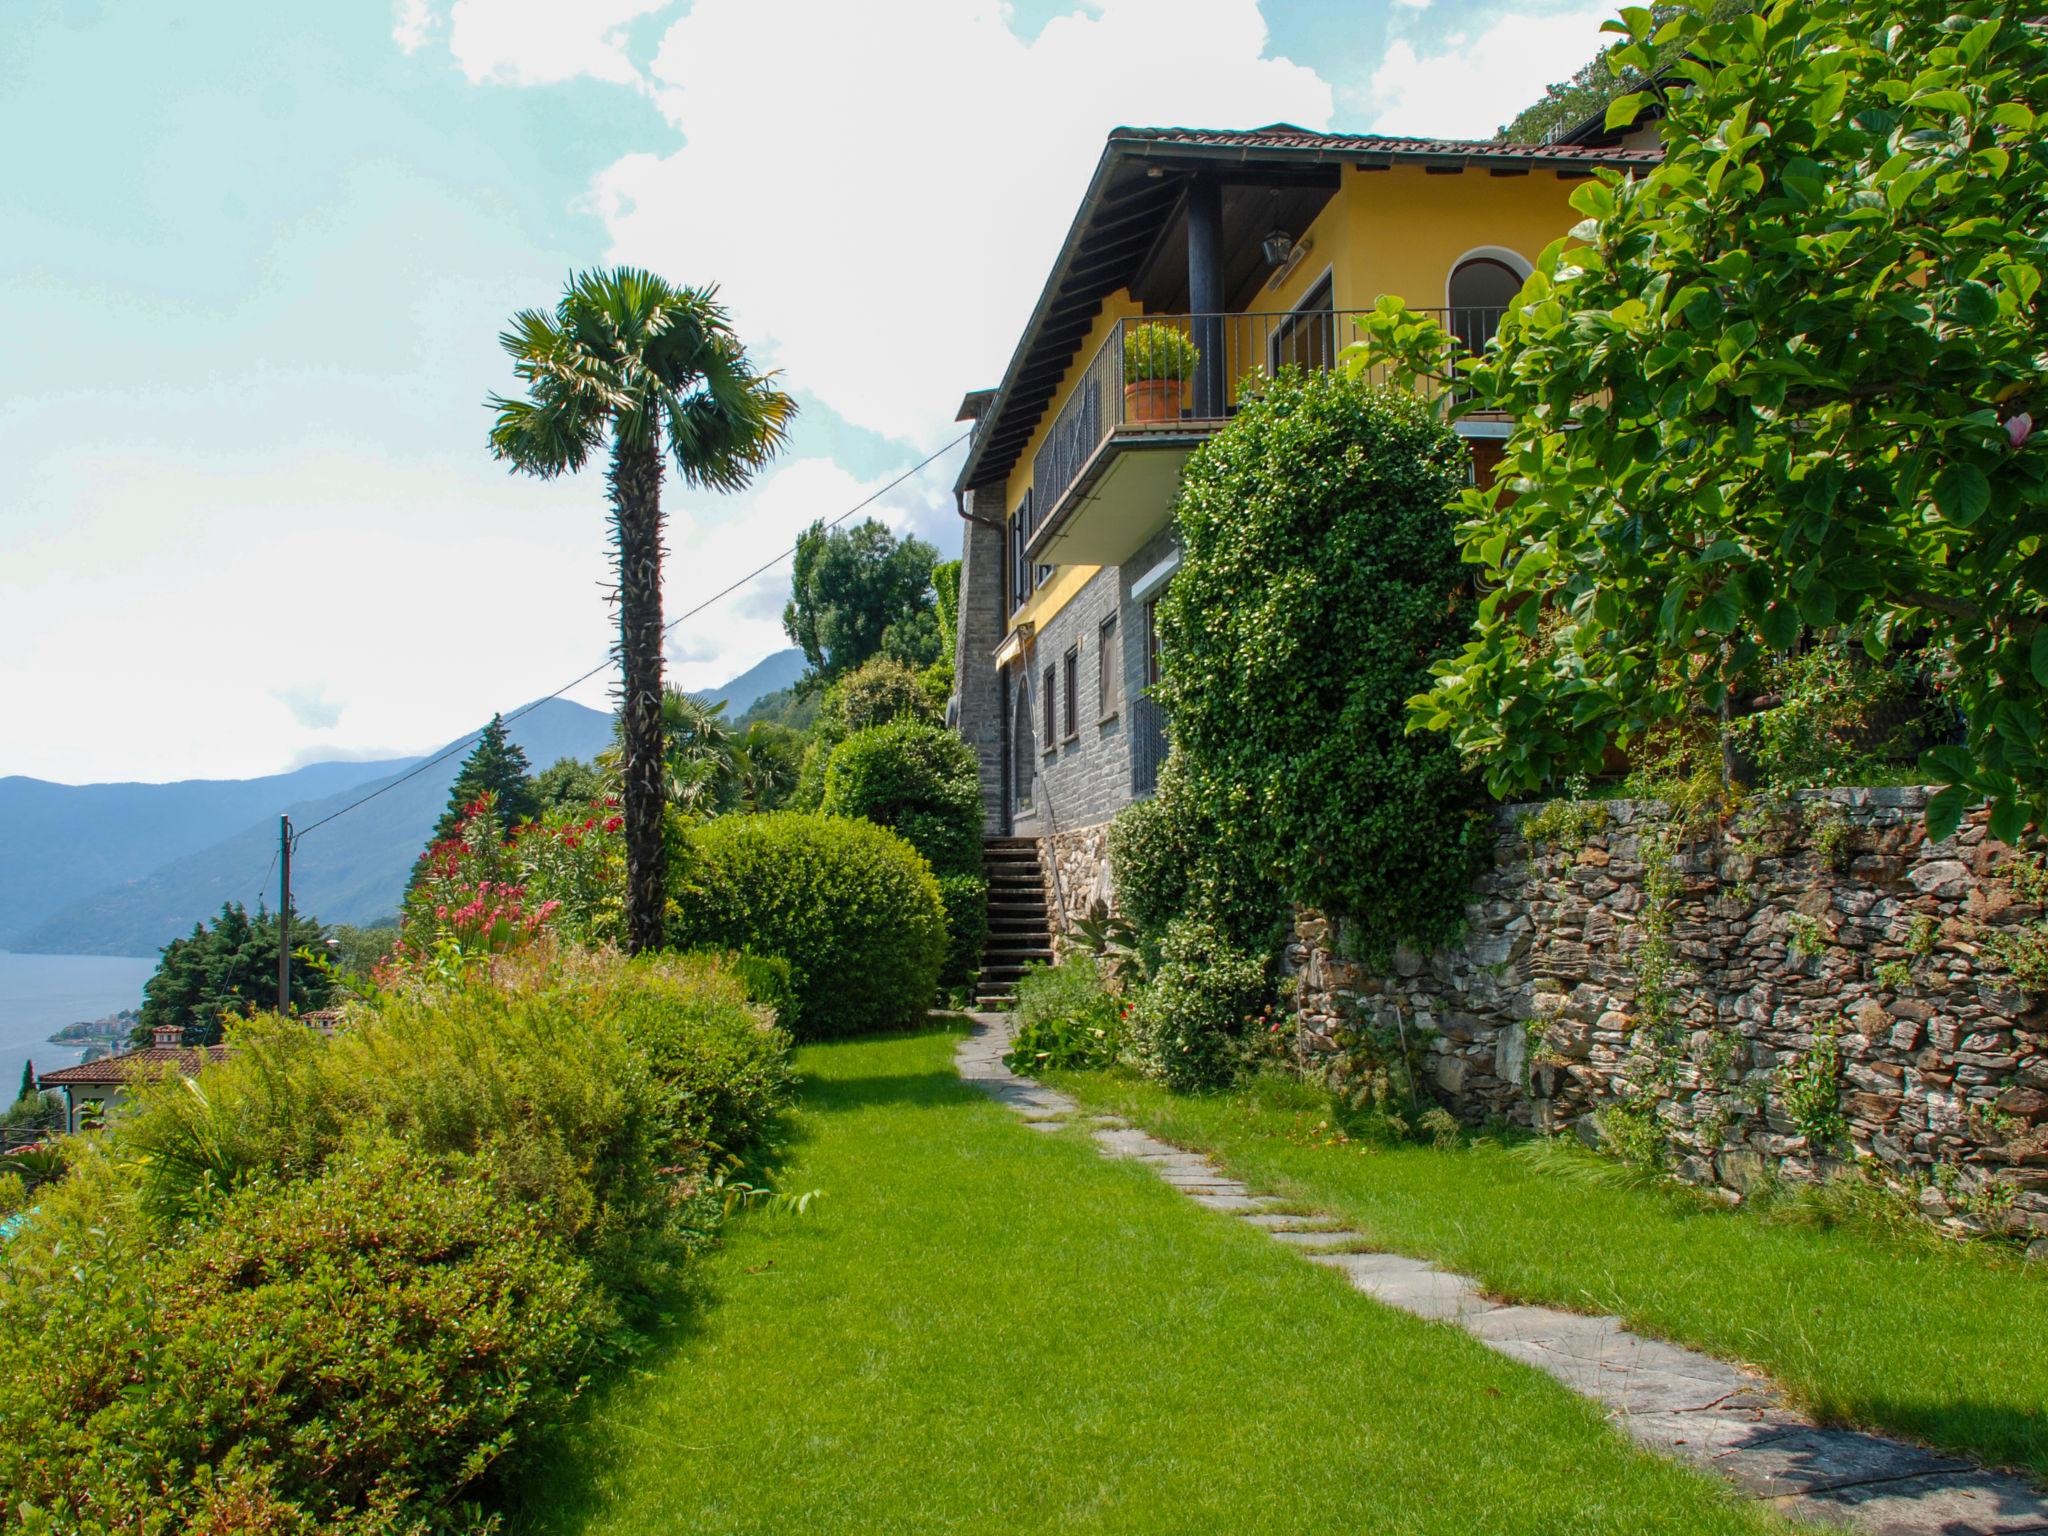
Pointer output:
x,y
1105,477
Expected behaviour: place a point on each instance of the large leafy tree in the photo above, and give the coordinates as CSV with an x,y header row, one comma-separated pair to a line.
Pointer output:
x,y
496,765
228,968
1595,84
652,373
1786,380
860,592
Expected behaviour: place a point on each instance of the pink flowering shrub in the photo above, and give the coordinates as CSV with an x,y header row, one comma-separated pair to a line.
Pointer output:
x,y
479,893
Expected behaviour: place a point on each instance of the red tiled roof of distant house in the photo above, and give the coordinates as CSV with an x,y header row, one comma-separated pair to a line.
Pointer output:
x,y
143,1063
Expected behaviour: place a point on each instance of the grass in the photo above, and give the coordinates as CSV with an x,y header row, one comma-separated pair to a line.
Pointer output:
x,y
1898,1330
982,1328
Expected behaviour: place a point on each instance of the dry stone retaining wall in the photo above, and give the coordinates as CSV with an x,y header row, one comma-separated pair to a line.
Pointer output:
x,y
1779,926
1081,858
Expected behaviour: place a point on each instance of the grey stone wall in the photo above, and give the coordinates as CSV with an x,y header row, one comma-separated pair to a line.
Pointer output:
x,y
1833,926
977,708
1085,778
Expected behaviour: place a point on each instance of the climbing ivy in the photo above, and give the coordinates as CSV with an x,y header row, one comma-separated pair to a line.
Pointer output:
x,y
1319,578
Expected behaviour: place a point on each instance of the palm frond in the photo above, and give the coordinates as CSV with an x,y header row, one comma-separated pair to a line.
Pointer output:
x,y
546,437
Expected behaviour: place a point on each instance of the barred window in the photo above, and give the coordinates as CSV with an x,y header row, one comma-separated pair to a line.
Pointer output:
x,y
1072,700
1052,683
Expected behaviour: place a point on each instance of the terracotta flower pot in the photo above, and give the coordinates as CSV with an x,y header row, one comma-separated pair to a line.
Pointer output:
x,y
1152,400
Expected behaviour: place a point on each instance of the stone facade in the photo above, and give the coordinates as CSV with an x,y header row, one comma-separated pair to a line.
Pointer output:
x,y
977,706
1083,777
1827,940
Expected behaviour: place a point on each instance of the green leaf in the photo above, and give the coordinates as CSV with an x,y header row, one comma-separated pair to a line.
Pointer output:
x,y
1976,304
1817,605
1621,111
1945,813
1978,38
2038,656
1719,613
2008,819
1780,627
1962,493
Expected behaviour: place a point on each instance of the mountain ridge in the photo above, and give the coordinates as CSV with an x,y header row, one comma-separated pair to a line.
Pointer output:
x,y
121,869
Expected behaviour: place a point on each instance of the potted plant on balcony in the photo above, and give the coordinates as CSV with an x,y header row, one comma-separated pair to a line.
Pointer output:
x,y
1157,358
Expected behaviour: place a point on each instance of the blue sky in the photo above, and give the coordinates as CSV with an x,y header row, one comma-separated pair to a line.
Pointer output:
x,y
257,256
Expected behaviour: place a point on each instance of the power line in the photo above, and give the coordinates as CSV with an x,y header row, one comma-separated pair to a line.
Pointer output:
x,y
760,570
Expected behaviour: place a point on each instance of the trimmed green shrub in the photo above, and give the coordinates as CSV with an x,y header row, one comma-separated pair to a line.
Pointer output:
x,y
1190,1023
1170,859
880,691
330,1285
923,784
852,907
1065,1018
1319,579
965,898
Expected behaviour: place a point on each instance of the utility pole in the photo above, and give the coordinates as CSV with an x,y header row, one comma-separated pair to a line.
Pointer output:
x,y
284,915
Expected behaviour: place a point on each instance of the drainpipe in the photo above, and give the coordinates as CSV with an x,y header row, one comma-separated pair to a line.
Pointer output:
x,y
960,506
1205,292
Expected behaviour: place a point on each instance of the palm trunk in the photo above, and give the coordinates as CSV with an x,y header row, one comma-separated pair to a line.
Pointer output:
x,y
636,525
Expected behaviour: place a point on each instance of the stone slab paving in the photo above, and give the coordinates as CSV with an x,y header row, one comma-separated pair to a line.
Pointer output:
x,y
1675,1401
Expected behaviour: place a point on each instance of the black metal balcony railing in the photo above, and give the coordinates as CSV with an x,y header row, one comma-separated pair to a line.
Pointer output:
x,y
1174,374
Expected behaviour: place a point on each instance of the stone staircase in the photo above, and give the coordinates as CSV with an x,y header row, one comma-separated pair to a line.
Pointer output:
x,y
1019,930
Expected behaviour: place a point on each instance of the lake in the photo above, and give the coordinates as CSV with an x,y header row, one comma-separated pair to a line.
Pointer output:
x,y
40,994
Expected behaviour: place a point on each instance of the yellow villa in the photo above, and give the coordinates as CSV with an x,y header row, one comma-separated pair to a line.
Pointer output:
x,y
1198,259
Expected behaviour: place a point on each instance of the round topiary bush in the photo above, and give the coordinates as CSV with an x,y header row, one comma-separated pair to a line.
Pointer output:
x,y
851,906
1319,579
923,784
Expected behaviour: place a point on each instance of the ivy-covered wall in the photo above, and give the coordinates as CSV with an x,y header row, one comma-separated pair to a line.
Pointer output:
x,y
1812,984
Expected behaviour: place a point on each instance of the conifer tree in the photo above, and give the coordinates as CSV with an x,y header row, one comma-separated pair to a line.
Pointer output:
x,y
497,764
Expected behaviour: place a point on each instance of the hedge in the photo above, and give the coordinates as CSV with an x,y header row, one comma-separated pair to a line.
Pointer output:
x,y
923,783
852,907
336,1285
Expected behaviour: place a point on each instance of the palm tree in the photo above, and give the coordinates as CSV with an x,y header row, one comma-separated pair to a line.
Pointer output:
x,y
702,754
630,359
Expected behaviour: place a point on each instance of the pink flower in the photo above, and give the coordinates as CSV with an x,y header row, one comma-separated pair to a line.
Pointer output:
x,y
2018,428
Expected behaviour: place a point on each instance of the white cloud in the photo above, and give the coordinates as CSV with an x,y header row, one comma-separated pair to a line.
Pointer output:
x,y
413,23
880,189
540,42
1469,83
311,707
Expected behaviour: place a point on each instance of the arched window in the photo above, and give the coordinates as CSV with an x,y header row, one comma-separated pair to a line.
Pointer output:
x,y
1481,289
1023,750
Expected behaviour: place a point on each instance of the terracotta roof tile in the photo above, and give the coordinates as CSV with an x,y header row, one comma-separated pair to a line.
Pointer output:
x,y
118,1069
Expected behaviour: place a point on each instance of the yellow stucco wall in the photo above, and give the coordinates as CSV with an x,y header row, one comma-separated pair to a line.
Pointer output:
x,y
1397,231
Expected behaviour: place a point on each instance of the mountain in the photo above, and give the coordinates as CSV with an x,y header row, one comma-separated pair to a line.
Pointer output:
x,y
352,870
60,843
768,676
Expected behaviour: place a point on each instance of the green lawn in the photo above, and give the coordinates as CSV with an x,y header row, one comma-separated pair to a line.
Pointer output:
x,y
1941,1342
981,1328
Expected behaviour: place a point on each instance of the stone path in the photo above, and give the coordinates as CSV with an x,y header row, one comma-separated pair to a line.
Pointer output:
x,y
1682,1404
